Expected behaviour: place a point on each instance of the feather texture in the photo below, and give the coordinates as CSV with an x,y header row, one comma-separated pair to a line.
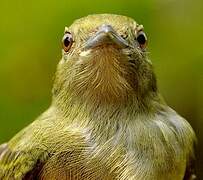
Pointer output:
x,y
107,120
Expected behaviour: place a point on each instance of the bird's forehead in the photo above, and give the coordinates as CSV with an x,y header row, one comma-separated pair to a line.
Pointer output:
x,y
92,22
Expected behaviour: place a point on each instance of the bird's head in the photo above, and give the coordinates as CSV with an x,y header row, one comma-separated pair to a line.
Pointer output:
x,y
104,59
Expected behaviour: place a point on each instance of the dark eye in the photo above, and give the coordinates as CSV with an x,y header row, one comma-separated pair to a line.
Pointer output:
x,y
67,41
142,39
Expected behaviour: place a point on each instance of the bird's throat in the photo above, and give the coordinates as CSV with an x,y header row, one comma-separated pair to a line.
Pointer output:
x,y
101,74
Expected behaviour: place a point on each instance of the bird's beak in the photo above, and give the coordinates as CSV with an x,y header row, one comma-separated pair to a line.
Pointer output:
x,y
106,35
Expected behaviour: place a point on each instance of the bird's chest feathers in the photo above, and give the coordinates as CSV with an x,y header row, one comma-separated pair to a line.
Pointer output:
x,y
145,146
139,148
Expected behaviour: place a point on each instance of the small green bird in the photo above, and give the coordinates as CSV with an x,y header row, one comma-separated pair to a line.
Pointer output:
x,y
107,120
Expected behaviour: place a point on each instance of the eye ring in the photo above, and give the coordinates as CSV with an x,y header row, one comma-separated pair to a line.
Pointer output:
x,y
142,39
67,41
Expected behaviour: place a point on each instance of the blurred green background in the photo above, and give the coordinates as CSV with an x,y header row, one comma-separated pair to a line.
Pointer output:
x,y
30,47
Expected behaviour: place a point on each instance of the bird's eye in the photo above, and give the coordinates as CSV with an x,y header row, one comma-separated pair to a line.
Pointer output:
x,y
142,39
67,41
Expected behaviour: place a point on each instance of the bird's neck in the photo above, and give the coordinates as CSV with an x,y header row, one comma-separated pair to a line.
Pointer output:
x,y
82,109
104,121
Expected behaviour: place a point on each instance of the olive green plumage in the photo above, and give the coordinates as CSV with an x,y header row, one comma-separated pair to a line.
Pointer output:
x,y
107,119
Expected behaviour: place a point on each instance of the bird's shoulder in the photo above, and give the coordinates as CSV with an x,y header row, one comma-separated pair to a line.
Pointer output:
x,y
27,150
186,138
15,164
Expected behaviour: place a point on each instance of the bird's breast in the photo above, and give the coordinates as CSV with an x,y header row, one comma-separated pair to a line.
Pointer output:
x,y
136,152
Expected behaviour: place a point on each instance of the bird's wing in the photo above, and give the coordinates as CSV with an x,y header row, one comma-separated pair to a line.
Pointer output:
x,y
2,148
190,170
17,164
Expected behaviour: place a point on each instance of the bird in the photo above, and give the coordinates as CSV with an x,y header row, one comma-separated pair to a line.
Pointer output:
x,y
107,119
